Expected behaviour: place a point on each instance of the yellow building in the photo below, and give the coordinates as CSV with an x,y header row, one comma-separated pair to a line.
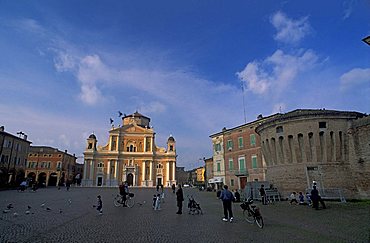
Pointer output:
x,y
131,155
200,174
49,166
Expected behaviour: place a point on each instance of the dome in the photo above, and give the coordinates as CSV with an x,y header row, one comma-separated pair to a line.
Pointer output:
x,y
171,139
92,136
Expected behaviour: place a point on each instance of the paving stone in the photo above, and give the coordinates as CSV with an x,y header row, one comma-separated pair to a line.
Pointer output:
x,y
80,222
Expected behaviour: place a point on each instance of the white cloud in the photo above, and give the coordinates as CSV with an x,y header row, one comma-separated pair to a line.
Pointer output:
x,y
277,71
257,80
153,107
348,8
64,62
289,30
355,77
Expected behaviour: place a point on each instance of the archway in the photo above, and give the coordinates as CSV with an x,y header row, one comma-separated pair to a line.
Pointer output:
x,y
130,179
31,177
53,179
2,177
41,179
20,176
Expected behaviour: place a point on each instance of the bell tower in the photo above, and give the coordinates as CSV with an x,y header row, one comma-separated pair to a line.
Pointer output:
x,y
91,143
171,144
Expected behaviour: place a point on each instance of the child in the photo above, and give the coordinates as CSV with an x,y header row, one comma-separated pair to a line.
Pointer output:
x,y
99,205
308,198
293,198
158,202
154,200
301,199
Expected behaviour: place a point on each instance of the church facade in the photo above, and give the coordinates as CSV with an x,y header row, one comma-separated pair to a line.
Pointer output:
x,y
130,155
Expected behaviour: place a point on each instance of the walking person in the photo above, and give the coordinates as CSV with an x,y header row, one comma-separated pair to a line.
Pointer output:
x,y
315,197
123,191
179,199
173,188
263,194
227,199
99,205
68,184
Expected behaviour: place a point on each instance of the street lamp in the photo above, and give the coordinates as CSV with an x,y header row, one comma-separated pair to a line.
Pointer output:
x,y
366,40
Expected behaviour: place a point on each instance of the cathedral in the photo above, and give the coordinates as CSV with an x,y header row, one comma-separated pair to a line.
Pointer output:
x,y
130,155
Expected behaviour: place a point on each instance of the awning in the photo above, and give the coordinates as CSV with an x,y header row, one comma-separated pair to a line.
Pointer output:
x,y
215,180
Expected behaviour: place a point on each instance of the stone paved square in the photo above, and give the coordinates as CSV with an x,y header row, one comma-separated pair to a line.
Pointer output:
x,y
80,222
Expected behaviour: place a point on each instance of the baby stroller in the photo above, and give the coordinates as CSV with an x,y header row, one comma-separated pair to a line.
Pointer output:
x,y
194,207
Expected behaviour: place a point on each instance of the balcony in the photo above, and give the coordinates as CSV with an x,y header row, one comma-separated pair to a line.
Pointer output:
x,y
242,172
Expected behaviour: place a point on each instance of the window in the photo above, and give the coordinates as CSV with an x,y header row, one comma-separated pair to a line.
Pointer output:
x,y
229,144
241,164
100,164
240,140
322,124
279,129
231,164
132,148
217,147
253,139
171,147
88,147
232,182
254,161
218,166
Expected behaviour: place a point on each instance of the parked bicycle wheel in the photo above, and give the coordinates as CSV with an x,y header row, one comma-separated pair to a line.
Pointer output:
x,y
248,216
259,221
130,202
117,201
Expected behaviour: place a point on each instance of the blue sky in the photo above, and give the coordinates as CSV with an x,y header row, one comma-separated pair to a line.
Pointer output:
x,y
66,67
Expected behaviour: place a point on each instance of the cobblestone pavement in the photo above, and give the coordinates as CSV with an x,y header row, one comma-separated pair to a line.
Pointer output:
x,y
78,221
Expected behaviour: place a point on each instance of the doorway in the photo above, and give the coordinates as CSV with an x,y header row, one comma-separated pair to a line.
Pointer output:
x,y
159,181
100,181
130,179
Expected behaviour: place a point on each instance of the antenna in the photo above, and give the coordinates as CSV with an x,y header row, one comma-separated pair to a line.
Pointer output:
x,y
245,117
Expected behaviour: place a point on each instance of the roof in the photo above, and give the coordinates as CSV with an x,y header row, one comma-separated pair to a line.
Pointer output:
x,y
13,136
136,114
92,136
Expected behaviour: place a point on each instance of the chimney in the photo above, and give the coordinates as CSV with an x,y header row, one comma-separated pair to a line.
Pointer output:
x,y
2,129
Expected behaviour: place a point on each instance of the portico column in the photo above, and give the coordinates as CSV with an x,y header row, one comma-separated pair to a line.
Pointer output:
x,y
116,171
150,170
108,173
85,170
143,173
91,172
173,170
168,172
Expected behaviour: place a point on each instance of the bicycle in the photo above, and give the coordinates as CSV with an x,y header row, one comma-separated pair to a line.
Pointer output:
x,y
251,213
118,200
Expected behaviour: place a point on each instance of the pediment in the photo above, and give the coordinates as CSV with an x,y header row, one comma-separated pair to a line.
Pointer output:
x,y
133,128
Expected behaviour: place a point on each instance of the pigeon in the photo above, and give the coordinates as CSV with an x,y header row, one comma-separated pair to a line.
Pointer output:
x,y
9,206
69,201
42,205
6,211
29,207
28,212
48,209
15,214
